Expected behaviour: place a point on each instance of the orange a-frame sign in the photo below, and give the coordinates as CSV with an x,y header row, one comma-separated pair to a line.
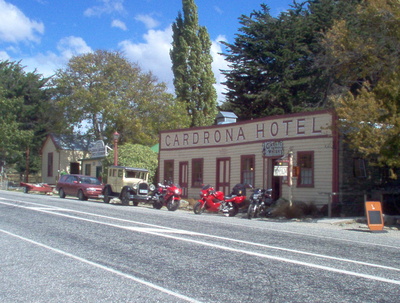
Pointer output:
x,y
373,210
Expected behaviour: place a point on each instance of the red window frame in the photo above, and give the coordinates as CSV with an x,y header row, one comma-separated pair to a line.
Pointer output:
x,y
247,169
305,161
168,171
197,172
50,160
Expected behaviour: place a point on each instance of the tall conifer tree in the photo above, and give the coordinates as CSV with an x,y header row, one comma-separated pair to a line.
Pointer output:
x,y
191,65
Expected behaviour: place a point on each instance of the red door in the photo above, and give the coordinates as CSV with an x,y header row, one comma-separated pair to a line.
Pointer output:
x,y
223,175
183,177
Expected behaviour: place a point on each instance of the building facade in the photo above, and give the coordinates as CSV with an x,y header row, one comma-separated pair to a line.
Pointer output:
x,y
61,154
259,152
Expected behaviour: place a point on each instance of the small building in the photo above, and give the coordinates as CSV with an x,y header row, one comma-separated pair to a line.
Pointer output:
x,y
225,118
61,154
92,165
256,152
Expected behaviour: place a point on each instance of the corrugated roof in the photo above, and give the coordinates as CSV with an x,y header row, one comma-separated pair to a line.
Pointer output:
x,y
70,142
223,114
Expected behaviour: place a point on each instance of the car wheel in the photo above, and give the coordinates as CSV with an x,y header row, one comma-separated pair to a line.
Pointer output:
x,y
107,194
125,197
61,193
81,195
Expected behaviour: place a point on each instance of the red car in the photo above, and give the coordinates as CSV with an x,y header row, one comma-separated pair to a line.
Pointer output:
x,y
83,187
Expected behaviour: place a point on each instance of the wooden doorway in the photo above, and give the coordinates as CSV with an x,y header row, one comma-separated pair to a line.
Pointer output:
x,y
183,177
223,175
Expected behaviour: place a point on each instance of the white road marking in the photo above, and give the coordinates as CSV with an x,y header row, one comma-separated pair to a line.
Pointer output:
x,y
106,268
161,231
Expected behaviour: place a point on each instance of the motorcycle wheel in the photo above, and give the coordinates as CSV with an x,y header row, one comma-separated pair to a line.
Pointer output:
x,y
233,209
198,209
173,205
157,204
252,211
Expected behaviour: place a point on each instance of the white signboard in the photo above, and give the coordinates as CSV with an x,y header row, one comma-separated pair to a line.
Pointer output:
x,y
273,148
98,149
280,171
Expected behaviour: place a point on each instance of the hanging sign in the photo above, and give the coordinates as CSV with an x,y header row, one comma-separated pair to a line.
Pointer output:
x,y
273,148
98,149
280,171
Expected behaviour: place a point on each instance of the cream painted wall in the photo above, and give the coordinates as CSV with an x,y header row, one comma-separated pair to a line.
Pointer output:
x,y
299,132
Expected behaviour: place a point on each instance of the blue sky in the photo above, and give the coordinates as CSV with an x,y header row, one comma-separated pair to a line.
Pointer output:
x,y
45,34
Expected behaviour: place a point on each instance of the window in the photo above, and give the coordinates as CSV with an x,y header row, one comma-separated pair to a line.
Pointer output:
x,y
50,165
359,168
169,171
305,160
197,172
87,169
247,169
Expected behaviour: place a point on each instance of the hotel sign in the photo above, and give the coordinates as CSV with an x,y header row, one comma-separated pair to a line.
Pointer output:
x,y
272,131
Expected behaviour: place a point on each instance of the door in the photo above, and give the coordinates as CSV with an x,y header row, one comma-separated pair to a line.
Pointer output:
x,y
273,182
74,168
183,177
223,175
70,186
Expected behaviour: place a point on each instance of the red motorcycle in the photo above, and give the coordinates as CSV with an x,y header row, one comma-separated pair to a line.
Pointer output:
x,y
167,195
215,201
238,197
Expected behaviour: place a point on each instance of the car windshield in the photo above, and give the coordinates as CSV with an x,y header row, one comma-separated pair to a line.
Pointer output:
x,y
90,180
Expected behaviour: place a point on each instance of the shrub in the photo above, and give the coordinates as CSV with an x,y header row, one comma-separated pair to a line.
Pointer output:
x,y
296,210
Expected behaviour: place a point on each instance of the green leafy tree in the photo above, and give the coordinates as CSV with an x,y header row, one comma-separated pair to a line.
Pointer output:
x,y
364,48
11,129
134,155
102,92
363,54
25,107
191,65
272,60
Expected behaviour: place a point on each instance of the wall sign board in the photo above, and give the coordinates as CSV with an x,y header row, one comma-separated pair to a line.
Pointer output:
x,y
280,171
373,210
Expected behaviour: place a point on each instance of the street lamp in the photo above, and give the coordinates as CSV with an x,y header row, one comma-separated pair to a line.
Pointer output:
x,y
116,137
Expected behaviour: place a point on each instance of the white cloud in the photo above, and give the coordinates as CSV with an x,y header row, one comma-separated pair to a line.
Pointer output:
x,y
148,21
4,56
107,7
16,27
47,63
153,55
119,24
72,46
218,10
219,63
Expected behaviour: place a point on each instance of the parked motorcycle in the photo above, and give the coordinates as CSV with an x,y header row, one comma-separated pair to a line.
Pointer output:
x,y
215,201
260,202
167,195
238,197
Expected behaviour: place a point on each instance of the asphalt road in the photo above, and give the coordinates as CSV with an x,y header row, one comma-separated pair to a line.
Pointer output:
x,y
66,250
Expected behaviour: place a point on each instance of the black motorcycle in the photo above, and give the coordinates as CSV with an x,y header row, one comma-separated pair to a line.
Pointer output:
x,y
260,203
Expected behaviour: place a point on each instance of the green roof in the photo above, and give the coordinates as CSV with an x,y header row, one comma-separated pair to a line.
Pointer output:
x,y
155,148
